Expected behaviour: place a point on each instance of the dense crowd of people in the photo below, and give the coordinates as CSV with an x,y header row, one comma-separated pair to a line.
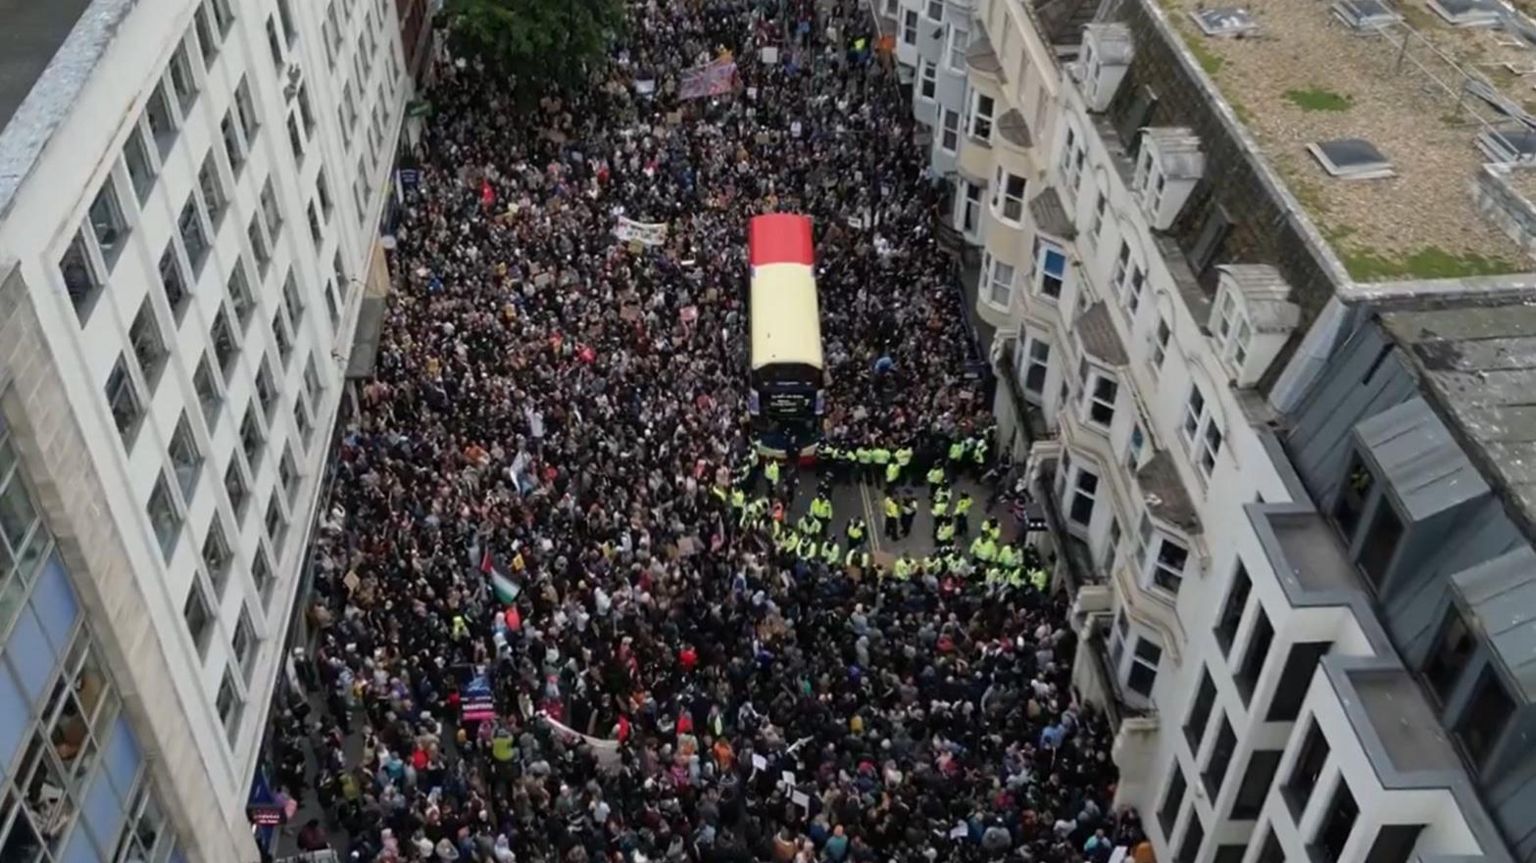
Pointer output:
x,y
536,518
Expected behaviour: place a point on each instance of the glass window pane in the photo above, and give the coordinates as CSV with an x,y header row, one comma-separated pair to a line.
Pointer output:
x,y
140,170
107,221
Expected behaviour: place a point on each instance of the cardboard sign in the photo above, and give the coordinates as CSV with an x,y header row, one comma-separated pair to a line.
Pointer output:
x,y
769,55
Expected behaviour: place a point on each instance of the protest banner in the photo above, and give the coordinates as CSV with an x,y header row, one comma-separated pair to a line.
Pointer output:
x,y
606,751
711,79
645,233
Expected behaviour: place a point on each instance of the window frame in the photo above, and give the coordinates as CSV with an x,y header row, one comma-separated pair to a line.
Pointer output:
x,y
1032,362
979,125
927,81
1008,205
991,269
948,132
1044,250
1090,399
957,43
167,529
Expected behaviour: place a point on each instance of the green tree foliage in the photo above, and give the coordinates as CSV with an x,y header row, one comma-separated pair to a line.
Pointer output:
x,y
541,43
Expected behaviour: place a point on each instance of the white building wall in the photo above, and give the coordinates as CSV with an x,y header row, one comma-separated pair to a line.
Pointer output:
x,y
41,222
1071,156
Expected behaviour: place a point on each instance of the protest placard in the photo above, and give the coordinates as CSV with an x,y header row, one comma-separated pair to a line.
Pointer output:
x,y
644,233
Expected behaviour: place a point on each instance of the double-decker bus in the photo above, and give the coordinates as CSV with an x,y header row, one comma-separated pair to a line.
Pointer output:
x,y
787,397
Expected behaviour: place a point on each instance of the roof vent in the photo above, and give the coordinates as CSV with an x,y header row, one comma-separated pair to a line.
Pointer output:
x,y
1365,15
1467,13
1351,159
1509,142
1228,21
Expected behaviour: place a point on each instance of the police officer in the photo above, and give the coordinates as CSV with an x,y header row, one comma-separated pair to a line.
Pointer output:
x,y
857,557
821,507
957,452
962,514
943,531
893,518
892,474
829,552
991,529
866,458
903,459
879,457
908,514
903,567
979,452
935,476
771,473
940,503
855,532
984,550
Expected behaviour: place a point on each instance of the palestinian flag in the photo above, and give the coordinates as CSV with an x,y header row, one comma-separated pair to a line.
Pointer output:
x,y
506,589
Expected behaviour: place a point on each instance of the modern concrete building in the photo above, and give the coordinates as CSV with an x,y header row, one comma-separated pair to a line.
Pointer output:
x,y
189,198
1262,279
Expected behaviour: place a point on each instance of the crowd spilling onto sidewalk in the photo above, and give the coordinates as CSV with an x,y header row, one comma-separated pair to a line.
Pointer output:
x,y
565,614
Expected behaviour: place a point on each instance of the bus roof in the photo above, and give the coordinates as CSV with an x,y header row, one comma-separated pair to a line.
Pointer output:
x,y
780,238
786,320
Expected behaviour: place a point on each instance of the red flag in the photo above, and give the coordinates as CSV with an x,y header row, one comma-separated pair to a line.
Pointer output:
x,y
486,564
487,194
514,619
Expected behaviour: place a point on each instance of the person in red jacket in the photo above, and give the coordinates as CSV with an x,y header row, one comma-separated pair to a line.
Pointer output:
x,y
688,657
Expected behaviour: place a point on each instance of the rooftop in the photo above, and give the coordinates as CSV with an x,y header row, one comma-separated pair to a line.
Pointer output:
x,y
1476,360
32,34
1409,730
1409,85
48,49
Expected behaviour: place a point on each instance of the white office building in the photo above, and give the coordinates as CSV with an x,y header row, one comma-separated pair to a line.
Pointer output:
x,y
190,200
1261,306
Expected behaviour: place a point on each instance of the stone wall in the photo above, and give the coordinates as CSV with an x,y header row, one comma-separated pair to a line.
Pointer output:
x,y
70,493
1496,191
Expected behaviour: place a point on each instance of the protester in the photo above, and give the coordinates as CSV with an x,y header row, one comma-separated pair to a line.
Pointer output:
x,y
535,516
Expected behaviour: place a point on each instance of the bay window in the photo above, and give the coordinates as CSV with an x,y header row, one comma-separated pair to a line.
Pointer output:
x,y
908,27
1163,558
